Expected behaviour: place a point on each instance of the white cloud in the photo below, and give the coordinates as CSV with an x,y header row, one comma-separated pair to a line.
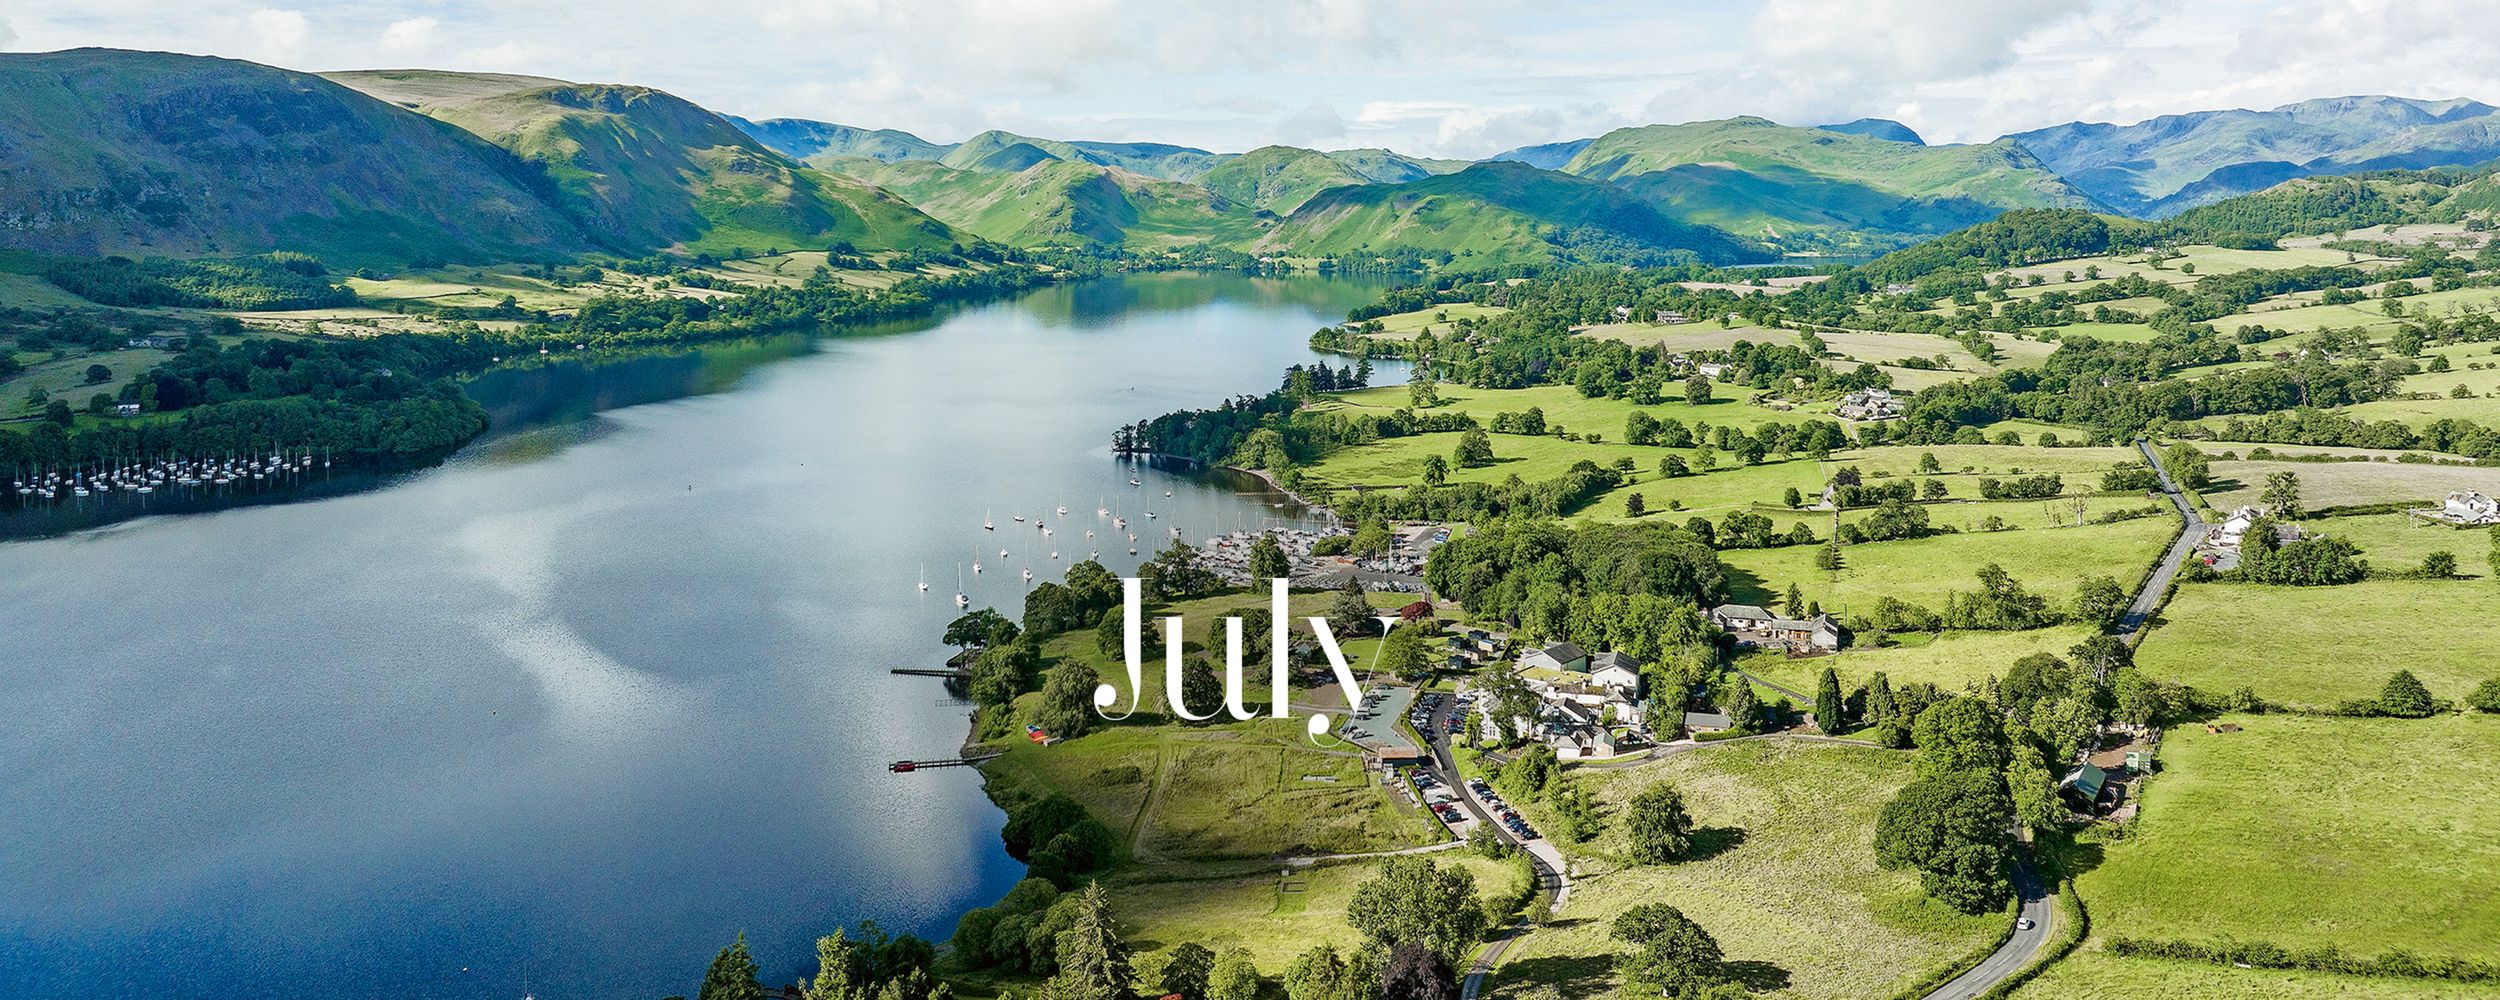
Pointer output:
x,y
1442,77
277,36
412,38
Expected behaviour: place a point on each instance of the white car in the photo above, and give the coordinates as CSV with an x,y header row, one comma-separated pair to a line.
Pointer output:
x,y
2023,924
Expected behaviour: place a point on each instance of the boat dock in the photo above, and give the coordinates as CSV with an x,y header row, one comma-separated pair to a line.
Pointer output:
x,y
908,766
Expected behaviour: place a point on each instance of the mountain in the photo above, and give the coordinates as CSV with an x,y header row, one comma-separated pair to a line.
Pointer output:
x,y
1546,156
1877,128
1496,211
1279,179
1389,167
801,139
1058,202
2165,165
110,151
1778,182
642,170
2324,204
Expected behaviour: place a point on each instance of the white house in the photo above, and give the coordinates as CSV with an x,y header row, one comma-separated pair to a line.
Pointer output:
x,y
1616,670
1741,617
1870,404
2470,507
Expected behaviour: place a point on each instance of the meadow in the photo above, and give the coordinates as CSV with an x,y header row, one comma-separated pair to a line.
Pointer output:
x,y
1787,880
2092,973
1274,914
2341,484
1952,661
2318,646
2366,834
2047,561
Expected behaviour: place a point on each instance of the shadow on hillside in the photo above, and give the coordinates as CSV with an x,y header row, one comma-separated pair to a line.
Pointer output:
x,y
1759,977
1745,587
1581,976
1711,841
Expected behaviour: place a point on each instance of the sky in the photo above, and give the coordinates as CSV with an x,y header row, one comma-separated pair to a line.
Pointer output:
x,y
1464,78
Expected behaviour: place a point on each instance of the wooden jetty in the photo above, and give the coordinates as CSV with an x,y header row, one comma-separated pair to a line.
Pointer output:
x,y
908,766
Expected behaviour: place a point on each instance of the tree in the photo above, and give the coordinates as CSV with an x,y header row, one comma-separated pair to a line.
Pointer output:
x,y
1423,395
1828,557
2406,698
2100,601
1185,970
1316,974
1404,653
1268,560
1831,708
1175,574
1743,708
1951,827
2486,696
2188,465
1413,899
985,627
98,374
1673,467
1067,708
1661,830
2282,494
1674,956
1093,961
731,975
1436,470
1697,389
1795,603
2034,789
1235,976
58,411
1635,506
1475,449
1960,733
1349,613
1417,972
2440,565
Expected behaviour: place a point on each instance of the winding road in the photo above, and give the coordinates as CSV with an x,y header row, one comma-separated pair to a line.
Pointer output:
x,y
2192,526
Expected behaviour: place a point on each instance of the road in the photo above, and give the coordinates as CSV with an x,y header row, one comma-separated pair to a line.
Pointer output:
x,y
1552,877
2131,625
2018,950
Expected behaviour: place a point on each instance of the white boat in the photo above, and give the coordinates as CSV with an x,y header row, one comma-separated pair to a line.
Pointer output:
x,y
1063,510
1054,553
1019,519
1167,493
976,569
1002,553
924,578
961,601
1096,554
1134,481
985,522
1028,574
1045,531
1150,515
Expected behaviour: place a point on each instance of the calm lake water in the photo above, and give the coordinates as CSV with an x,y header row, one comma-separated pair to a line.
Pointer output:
x,y
570,712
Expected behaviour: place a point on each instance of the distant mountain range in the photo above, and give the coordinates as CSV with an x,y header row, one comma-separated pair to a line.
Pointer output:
x,y
113,151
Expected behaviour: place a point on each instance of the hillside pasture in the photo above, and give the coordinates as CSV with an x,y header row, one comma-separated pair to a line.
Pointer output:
x,y
2342,484
2320,646
1922,571
2369,835
1788,882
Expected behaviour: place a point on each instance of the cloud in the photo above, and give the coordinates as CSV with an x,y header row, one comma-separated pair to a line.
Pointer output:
x,y
409,39
278,36
8,35
1317,122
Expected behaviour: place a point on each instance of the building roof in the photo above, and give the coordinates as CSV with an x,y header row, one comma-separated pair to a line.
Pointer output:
x,y
1742,611
2085,780
1564,652
1610,658
1707,720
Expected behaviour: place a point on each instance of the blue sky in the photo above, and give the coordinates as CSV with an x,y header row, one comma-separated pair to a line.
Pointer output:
x,y
1439,77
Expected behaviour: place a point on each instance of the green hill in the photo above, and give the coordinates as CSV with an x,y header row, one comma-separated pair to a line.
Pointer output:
x,y
1056,202
2165,165
1803,185
1280,178
148,153
800,139
1494,211
1878,128
2310,206
1387,167
641,170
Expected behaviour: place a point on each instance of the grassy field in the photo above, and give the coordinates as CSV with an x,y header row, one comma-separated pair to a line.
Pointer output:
x,y
2048,561
2418,412
2396,541
1788,886
2100,974
1699,336
1952,661
65,379
2337,484
2343,641
1405,325
2367,834
1275,914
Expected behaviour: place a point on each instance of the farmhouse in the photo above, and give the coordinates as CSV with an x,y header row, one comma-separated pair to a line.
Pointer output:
x,y
1668,317
1870,404
2220,548
1757,626
2469,508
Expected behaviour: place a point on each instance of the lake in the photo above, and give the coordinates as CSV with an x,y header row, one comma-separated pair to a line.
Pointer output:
x,y
568,713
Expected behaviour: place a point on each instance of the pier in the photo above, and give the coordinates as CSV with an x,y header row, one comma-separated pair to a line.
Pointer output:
x,y
908,766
